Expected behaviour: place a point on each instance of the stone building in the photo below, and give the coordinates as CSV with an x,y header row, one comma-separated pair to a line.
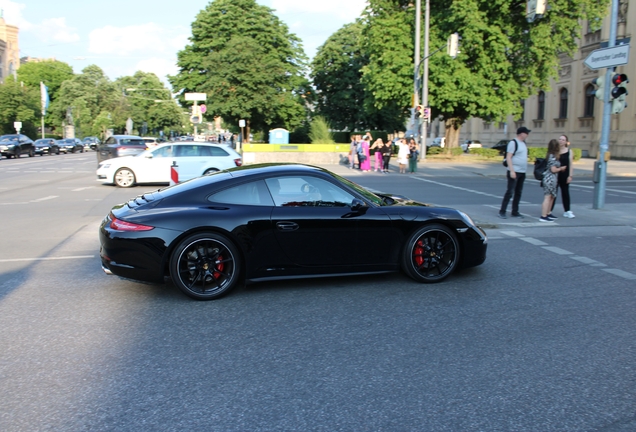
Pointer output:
x,y
9,49
569,107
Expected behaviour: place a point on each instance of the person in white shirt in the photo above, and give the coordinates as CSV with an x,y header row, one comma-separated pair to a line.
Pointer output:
x,y
517,158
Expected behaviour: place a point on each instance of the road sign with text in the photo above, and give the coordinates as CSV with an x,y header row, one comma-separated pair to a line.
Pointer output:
x,y
608,57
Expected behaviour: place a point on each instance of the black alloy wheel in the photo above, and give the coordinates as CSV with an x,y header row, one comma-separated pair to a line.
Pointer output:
x,y
205,266
431,254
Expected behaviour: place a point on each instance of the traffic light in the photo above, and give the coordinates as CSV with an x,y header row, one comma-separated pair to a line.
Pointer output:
x,y
600,86
619,93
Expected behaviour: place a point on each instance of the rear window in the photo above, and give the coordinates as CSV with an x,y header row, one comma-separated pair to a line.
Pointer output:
x,y
128,141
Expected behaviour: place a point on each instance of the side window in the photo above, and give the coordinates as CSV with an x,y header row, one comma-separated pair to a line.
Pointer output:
x,y
162,152
218,151
111,140
186,150
252,193
307,191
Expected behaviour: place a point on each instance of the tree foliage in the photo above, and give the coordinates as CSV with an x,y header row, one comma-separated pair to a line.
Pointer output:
x,y
51,72
150,101
19,103
244,58
341,95
503,58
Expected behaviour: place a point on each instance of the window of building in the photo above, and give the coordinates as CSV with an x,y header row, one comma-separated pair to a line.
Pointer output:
x,y
589,101
541,106
563,103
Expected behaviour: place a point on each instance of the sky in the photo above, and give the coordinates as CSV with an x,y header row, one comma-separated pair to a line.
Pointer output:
x,y
124,36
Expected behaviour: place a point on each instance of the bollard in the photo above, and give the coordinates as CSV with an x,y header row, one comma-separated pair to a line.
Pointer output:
x,y
174,173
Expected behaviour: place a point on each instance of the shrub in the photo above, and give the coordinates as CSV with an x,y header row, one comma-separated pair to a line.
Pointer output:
x,y
319,131
486,152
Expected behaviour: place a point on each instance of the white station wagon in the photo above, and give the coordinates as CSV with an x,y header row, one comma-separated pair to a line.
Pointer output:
x,y
154,165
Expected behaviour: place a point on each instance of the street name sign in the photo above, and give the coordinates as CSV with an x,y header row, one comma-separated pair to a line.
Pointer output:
x,y
195,96
608,57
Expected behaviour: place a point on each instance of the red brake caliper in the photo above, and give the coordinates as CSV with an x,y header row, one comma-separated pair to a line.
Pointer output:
x,y
418,253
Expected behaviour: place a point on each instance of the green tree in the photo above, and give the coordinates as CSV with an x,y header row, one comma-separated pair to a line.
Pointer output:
x,y
51,72
503,59
150,101
341,96
247,62
83,97
19,103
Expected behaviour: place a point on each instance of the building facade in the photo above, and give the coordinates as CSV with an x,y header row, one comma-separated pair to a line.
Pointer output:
x,y
9,50
569,107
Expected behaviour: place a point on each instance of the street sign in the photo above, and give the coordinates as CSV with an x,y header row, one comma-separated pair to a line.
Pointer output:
x,y
608,57
195,96
241,123
203,108
17,126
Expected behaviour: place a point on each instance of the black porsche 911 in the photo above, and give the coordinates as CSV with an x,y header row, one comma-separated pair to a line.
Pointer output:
x,y
278,221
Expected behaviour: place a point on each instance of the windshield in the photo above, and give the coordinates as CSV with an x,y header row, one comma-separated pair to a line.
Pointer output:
x,y
9,138
362,191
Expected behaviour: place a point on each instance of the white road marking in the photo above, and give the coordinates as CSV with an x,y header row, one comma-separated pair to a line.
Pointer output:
x,y
47,258
533,241
512,234
621,273
557,250
608,190
461,188
586,260
81,189
45,198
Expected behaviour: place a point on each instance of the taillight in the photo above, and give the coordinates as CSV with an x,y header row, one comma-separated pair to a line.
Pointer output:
x,y
238,162
120,225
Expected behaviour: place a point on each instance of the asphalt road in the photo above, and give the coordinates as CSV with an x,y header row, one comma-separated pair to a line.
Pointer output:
x,y
542,337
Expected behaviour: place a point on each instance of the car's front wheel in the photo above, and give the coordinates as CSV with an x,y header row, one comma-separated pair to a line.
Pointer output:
x,y
431,253
205,266
124,178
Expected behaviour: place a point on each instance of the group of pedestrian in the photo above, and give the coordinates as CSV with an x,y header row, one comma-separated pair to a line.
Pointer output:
x,y
360,150
558,175
408,154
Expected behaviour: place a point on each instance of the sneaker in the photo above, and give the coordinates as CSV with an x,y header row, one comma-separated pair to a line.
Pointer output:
x,y
545,219
568,214
551,216
517,215
503,215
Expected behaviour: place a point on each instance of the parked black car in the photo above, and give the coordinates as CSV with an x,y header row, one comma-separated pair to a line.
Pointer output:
x,y
120,145
501,146
280,221
71,145
46,146
15,145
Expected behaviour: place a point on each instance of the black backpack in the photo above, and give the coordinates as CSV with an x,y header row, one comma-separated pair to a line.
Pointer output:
x,y
540,167
505,161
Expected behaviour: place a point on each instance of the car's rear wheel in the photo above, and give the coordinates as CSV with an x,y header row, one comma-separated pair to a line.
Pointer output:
x,y
205,266
431,254
124,178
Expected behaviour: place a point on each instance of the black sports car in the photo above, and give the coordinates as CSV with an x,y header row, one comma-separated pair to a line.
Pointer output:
x,y
275,221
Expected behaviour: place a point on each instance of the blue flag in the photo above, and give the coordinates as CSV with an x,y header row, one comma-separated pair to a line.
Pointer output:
x,y
44,93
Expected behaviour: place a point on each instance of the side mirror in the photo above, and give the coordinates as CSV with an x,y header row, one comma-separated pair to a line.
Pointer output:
x,y
357,204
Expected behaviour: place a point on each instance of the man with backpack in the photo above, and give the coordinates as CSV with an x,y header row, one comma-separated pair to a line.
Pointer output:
x,y
517,163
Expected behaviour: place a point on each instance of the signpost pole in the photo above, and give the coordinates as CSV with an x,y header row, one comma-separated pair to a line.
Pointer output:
x,y
601,164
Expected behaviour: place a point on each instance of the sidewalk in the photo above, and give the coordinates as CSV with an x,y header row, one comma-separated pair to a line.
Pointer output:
x,y
486,215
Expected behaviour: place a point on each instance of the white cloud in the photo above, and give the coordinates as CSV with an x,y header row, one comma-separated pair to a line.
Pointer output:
x,y
57,30
159,66
346,10
143,38
13,14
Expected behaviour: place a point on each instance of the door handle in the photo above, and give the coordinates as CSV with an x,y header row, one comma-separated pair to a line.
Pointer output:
x,y
287,226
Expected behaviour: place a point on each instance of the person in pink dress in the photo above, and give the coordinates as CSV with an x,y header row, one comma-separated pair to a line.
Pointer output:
x,y
376,149
366,165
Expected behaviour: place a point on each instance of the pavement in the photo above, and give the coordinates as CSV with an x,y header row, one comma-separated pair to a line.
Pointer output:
x,y
486,215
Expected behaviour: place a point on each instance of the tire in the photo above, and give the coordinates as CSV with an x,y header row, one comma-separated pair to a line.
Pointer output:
x,y
431,254
31,153
124,178
57,152
205,266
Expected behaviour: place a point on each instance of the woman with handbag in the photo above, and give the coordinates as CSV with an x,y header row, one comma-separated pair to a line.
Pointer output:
x,y
550,182
414,153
